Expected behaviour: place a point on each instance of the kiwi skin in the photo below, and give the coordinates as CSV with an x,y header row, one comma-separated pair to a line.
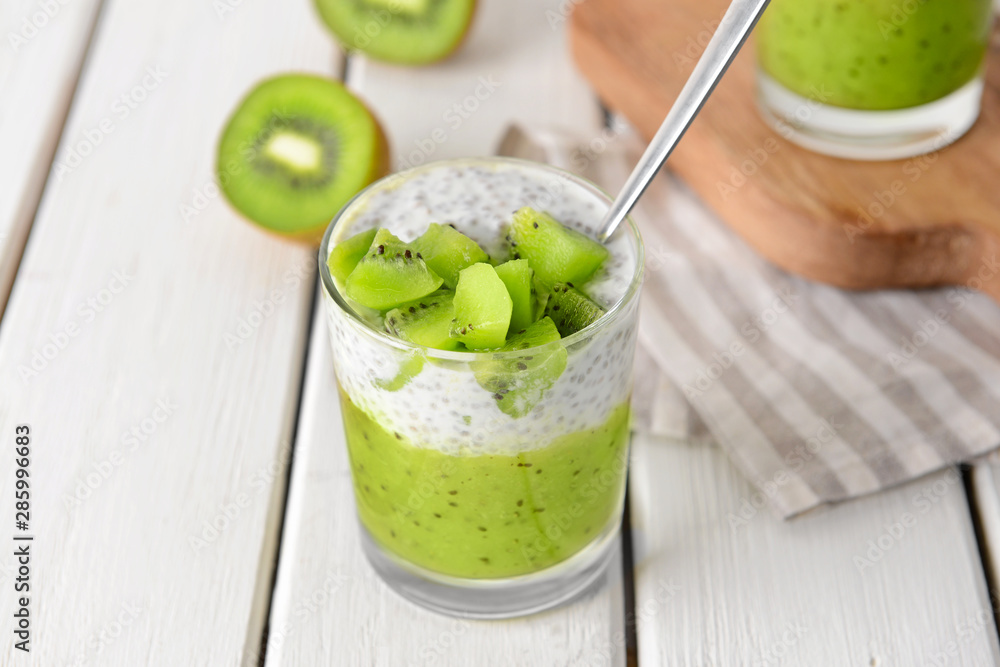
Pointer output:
x,y
380,167
349,46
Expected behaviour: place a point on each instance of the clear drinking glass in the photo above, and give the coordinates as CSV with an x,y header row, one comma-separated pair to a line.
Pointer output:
x,y
465,509
872,79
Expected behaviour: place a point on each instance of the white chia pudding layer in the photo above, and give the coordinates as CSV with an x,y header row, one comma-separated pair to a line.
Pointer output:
x,y
443,407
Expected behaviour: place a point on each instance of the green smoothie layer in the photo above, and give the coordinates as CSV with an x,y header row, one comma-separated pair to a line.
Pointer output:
x,y
487,516
874,54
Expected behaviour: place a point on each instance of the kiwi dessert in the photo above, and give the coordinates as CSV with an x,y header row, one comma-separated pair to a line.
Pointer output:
x,y
296,149
407,32
440,291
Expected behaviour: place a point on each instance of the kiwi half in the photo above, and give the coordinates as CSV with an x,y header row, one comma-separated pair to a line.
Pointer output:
x,y
296,150
408,32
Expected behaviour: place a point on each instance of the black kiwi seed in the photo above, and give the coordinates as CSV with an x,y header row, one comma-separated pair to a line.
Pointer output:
x,y
555,307
520,502
498,396
412,309
535,224
381,250
408,254
521,366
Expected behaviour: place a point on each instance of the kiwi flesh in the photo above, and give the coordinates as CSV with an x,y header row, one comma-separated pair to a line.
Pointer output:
x,y
447,251
425,321
520,382
390,274
558,254
345,255
482,308
571,309
518,277
409,368
296,149
407,32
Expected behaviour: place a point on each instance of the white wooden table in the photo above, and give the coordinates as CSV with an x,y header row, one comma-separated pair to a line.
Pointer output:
x,y
167,358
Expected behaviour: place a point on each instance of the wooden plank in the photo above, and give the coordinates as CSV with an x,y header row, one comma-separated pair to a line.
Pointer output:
x,y
986,496
40,59
327,602
890,579
157,359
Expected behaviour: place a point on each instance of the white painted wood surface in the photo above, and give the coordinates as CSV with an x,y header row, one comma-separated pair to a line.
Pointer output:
x,y
328,604
154,411
40,58
892,579
160,394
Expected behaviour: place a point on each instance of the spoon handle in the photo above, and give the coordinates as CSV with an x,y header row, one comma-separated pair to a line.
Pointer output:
x,y
733,31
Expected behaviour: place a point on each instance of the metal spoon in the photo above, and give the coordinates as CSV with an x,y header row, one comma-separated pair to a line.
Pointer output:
x,y
736,25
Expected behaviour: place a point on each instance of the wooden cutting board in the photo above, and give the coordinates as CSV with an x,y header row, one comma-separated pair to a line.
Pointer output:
x,y
931,220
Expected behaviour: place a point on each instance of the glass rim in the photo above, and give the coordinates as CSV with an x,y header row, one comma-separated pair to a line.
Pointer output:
x,y
612,315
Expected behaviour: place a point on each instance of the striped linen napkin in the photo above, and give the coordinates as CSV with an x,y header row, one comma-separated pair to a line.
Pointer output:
x,y
817,394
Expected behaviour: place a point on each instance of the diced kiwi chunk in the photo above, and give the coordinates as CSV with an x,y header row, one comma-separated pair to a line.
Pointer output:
x,y
557,254
409,368
447,251
519,383
517,276
482,308
390,274
425,321
570,309
345,255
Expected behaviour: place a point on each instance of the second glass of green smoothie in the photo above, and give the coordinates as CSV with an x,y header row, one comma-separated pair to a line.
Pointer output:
x,y
872,79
